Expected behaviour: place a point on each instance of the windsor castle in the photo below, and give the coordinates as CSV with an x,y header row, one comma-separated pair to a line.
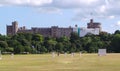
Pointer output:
x,y
53,31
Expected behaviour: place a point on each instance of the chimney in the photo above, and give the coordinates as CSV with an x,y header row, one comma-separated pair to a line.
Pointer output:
x,y
91,20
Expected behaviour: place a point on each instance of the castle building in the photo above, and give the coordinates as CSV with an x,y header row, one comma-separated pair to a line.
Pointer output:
x,y
92,28
54,31
12,29
94,25
85,31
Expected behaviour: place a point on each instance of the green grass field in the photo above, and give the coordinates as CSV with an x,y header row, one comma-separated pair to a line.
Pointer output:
x,y
45,62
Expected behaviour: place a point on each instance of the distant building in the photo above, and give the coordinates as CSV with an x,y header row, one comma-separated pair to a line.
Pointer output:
x,y
54,31
92,28
76,29
94,25
12,29
85,31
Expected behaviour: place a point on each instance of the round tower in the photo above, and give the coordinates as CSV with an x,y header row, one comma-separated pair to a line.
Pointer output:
x,y
14,27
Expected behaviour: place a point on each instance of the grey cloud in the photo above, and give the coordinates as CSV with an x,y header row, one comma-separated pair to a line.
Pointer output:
x,y
99,8
25,2
76,3
50,10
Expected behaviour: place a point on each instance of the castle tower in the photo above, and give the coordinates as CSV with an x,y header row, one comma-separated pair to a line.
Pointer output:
x,y
94,25
14,27
54,31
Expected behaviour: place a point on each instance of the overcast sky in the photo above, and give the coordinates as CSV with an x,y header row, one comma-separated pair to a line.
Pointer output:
x,y
63,13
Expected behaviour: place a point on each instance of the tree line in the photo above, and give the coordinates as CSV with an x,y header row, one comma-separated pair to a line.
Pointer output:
x,y
36,43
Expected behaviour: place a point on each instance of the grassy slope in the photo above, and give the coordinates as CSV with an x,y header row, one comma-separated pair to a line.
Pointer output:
x,y
45,62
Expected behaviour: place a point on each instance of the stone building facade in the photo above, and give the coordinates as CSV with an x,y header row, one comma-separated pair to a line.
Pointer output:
x,y
12,29
92,28
94,25
54,31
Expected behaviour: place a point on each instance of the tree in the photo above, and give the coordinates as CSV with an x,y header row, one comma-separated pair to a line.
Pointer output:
x,y
66,46
73,47
38,37
93,48
65,42
19,49
117,32
74,37
63,39
52,44
59,47
28,36
79,46
3,46
43,49
85,43
9,49
27,49
24,42
115,43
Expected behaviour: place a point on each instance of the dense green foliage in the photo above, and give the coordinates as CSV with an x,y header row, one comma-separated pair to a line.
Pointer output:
x,y
36,43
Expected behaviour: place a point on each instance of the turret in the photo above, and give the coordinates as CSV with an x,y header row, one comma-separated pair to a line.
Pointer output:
x,y
14,27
